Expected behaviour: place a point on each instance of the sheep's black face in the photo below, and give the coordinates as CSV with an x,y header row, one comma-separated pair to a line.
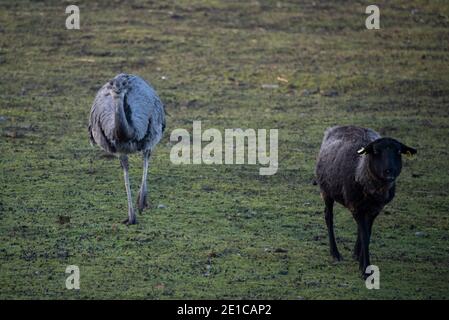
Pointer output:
x,y
385,157
386,160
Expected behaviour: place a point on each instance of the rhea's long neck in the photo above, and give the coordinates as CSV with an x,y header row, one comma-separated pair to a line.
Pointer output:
x,y
123,130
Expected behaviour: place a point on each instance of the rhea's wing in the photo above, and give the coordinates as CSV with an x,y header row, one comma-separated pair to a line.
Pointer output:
x,y
147,112
101,122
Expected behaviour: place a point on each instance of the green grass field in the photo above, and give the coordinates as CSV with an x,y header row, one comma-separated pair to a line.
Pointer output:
x,y
225,231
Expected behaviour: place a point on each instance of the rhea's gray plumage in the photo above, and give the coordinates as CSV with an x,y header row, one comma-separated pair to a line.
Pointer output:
x,y
127,116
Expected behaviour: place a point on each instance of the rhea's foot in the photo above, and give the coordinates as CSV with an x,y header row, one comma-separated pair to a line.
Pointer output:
x,y
131,219
142,202
127,221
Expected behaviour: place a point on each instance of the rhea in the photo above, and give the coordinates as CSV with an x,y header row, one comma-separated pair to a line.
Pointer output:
x,y
127,116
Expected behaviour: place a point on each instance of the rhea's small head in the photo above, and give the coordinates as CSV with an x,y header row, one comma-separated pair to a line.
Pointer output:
x,y
119,85
385,157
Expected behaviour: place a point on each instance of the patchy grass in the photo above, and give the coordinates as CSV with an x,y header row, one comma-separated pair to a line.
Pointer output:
x,y
220,234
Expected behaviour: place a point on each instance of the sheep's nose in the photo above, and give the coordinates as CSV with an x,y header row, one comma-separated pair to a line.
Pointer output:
x,y
389,175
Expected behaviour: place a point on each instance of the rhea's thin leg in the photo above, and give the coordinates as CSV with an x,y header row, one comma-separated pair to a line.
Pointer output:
x,y
131,215
142,202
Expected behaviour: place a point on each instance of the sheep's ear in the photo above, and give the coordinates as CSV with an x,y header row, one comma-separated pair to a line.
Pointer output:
x,y
408,151
366,150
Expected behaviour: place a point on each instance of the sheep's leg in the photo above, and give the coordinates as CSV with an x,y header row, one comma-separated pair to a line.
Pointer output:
x,y
329,216
142,197
131,215
357,248
358,245
363,229
369,222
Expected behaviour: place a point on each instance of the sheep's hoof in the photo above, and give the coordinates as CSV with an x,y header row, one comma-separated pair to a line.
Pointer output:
x,y
336,256
362,268
365,275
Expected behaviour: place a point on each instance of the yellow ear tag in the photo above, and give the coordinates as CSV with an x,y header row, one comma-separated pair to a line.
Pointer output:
x,y
408,154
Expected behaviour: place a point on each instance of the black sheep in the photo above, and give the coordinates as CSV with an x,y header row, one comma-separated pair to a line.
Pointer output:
x,y
357,168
